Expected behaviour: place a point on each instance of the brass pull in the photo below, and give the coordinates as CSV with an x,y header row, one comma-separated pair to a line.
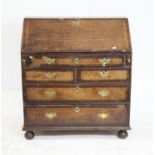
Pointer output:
x,y
50,94
50,75
104,61
103,115
77,109
76,61
128,60
50,115
103,93
104,74
31,57
77,89
48,60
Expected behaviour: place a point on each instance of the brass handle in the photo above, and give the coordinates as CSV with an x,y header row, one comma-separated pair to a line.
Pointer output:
x,y
129,60
50,93
104,74
50,115
77,109
31,57
77,89
76,61
48,60
103,93
50,75
26,61
103,115
104,61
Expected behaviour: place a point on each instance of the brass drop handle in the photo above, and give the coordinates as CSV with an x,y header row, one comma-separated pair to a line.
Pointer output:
x,y
103,115
104,61
50,75
104,74
103,93
77,109
50,94
48,60
50,115
76,61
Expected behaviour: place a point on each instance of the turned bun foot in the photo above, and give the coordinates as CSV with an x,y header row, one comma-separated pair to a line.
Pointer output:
x,y
29,135
122,134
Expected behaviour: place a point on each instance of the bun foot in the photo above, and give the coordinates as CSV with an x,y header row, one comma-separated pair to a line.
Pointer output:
x,y
29,135
122,134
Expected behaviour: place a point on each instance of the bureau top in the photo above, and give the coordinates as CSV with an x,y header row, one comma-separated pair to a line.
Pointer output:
x,y
76,35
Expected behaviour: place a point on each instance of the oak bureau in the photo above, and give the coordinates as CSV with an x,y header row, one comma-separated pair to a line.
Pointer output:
x,y
76,75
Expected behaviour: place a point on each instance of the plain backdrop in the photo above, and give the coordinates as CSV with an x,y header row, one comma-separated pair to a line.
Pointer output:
x,y
140,15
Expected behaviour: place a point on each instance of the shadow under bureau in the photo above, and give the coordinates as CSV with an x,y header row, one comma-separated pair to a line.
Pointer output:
x,y
76,75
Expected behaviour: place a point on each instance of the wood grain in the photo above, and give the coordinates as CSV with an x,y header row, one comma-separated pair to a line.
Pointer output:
x,y
70,61
87,102
65,35
111,75
70,94
43,75
85,117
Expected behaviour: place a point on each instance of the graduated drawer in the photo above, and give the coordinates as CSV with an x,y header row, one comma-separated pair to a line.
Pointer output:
x,y
74,60
104,75
76,116
50,75
77,93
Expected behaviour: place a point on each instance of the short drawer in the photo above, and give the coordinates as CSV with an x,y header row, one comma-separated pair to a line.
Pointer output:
x,y
76,116
104,75
74,61
77,94
50,75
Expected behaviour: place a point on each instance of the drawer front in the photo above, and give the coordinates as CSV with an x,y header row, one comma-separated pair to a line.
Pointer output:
x,y
77,94
49,75
75,61
104,75
76,116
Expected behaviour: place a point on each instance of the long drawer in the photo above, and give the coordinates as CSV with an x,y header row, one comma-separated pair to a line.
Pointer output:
x,y
74,61
104,93
76,116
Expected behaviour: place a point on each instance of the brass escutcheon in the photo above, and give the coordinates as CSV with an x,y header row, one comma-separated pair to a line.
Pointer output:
x,y
77,109
77,89
76,21
76,61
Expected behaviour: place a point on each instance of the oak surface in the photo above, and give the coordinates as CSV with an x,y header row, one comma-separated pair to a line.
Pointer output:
x,y
86,116
71,94
64,35
76,75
